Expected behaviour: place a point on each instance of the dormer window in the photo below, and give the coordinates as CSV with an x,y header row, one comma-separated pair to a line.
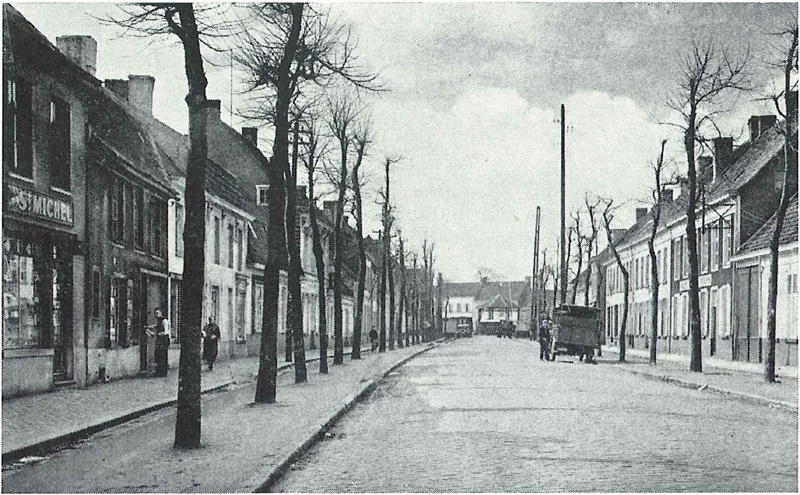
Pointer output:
x,y
261,194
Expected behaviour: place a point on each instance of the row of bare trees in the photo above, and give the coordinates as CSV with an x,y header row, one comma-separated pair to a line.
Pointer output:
x,y
709,75
303,80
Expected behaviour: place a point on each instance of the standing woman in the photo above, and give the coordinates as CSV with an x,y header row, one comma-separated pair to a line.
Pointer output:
x,y
210,343
162,342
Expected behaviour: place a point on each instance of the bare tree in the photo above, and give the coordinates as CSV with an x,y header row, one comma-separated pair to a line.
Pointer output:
x,y
707,75
608,217
343,114
402,321
362,136
180,20
579,239
290,47
656,217
591,244
315,150
789,186
382,292
391,288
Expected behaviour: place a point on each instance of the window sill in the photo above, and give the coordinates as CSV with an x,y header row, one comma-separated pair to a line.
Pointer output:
x,y
27,352
29,180
61,191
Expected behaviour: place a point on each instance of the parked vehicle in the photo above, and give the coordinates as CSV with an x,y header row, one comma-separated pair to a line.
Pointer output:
x,y
576,332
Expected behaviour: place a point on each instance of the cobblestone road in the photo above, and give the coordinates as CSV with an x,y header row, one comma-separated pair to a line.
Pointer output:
x,y
485,415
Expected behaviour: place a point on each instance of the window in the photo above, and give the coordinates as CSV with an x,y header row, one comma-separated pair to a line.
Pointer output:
x,y
59,144
116,201
258,307
214,310
727,241
705,248
230,246
685,262
180,223
261,194
466,307
177,308
138,218
17,128
216,240
158,224
458,307
714,246
118,313
95,293
239,248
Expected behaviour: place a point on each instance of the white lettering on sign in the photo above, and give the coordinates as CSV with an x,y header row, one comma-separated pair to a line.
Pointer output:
x,y
27,202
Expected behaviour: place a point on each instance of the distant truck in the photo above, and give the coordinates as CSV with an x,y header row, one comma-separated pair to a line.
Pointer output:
x,y
576,331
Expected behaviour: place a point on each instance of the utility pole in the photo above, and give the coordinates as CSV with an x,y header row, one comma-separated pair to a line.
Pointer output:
x,y
534,329
562,278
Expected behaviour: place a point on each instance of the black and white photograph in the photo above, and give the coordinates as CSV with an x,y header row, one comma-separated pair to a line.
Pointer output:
x,y
399,247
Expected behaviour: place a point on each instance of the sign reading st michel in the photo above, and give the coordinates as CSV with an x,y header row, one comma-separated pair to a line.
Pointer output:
x,y
30,203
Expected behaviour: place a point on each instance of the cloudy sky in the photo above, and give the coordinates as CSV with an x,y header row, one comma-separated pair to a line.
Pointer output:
x,y
474,98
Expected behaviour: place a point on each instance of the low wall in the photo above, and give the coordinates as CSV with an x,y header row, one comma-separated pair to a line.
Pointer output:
x,y
27,371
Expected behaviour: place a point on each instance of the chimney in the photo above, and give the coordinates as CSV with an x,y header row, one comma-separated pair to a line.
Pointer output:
x,y
759,124
81,49
301,191
345,220
117,86
705,170
640,213
723,154
140,93
214,108
250,134
666,195
329,207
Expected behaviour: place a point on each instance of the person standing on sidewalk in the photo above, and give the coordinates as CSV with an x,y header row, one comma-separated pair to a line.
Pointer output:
x,y
544,340
211,337
161,332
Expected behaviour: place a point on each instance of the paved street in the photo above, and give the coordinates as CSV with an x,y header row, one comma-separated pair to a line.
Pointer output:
x,y
484,414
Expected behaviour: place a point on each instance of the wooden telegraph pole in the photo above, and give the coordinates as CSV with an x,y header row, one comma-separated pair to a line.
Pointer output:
x,y
562,277
534,329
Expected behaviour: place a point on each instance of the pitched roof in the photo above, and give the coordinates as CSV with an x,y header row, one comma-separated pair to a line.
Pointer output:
x,y
761,239
750,159
462,289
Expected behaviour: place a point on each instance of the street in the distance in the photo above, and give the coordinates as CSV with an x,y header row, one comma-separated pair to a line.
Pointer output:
x,y
486,415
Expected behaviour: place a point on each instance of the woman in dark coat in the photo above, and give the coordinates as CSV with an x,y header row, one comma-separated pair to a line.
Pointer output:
x,y
211,337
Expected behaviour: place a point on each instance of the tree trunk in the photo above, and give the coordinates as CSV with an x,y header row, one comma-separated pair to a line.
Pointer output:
x,y
654,297
338,241
319,258
187,420
401,312
696,356
789,178
266,383
625,288
362,262
382,299
578,272
295,266
392,296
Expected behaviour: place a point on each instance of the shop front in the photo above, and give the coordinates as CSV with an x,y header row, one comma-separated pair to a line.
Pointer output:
x,y
42,263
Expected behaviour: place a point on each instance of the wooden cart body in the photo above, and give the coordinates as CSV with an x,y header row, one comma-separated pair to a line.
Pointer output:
x,y
575,328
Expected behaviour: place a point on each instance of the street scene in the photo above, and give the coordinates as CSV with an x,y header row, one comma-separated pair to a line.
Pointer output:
x,y
396,247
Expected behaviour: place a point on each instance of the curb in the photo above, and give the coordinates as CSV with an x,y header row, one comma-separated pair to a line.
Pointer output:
x,y
743,396
316,436
72,436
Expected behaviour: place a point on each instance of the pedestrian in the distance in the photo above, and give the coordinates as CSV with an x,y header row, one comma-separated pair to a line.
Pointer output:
x,y
544,340
211,337
161,333
373,339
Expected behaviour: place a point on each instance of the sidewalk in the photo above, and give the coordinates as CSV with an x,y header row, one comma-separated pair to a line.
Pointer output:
x,y
743,381
246,446
31,423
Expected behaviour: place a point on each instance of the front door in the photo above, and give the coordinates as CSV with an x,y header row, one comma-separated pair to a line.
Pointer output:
x,y
61,318
746,314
